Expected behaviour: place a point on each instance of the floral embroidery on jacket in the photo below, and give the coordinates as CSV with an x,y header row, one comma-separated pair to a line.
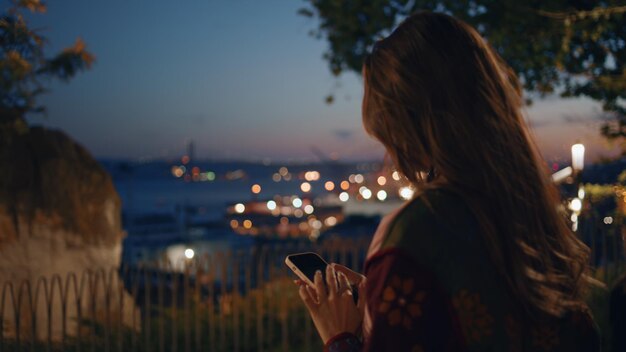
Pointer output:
x,y
474,318
401,302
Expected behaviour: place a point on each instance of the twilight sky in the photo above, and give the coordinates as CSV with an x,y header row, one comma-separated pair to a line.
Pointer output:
x,y
241,78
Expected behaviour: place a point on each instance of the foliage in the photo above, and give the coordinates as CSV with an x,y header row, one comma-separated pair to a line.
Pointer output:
x,y
574,47
597,193
23,63
621,179
268,319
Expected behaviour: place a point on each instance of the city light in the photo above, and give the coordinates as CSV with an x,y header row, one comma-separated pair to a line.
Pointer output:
x,y
345,185
309,209
234,224
344,196
381,195
177,171
581,192
316,224
247,224
562,174
578,156
330,221
283,171
298,213
189,253
396,176
297,202
240,208
329,185
367,194
405,193
575,205
276,177
305,187
311,175
382,180
256,188
271,205
608,220
358,178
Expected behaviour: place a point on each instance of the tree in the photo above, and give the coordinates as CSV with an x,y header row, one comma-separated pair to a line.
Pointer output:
x,y
24,66
42,170
571,47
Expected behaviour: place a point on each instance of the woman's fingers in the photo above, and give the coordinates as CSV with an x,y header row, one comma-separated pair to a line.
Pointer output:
x,y
319,287
331,282
345,290
352,276
344,283
306,297
312,293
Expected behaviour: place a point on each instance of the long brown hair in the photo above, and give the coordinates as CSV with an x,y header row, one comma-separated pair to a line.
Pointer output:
x,y
442,101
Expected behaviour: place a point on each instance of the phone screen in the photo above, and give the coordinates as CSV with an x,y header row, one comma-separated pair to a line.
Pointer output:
x,y
308,264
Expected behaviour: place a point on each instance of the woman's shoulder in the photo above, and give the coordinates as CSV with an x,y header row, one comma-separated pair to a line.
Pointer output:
x,y
426,218
440,234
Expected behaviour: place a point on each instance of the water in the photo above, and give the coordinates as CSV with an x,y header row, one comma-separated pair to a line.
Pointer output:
x,y
198,208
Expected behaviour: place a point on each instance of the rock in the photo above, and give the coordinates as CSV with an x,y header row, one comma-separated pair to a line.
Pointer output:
x,y
60,225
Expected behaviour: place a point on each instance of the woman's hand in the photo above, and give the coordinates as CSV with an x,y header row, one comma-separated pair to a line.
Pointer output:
x,y
331,306
354,277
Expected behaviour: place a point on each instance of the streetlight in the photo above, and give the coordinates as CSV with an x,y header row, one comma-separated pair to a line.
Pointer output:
x,y
578,157
578,163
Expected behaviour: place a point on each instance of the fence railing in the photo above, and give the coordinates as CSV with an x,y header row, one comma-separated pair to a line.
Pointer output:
x,y
240,300
606,241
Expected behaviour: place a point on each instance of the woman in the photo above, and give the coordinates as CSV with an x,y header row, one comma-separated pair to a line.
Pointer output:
x,y
480,259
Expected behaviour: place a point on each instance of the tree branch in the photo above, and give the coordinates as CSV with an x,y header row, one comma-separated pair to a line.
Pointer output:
x,y
581,15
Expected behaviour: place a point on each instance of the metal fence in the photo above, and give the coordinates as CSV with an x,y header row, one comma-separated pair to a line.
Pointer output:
x,y
606,241
241,300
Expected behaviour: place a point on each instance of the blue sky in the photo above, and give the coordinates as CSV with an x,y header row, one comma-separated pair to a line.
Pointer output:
x,y
242,79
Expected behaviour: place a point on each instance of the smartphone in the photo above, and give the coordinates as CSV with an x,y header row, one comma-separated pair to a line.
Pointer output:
x,y
305,265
